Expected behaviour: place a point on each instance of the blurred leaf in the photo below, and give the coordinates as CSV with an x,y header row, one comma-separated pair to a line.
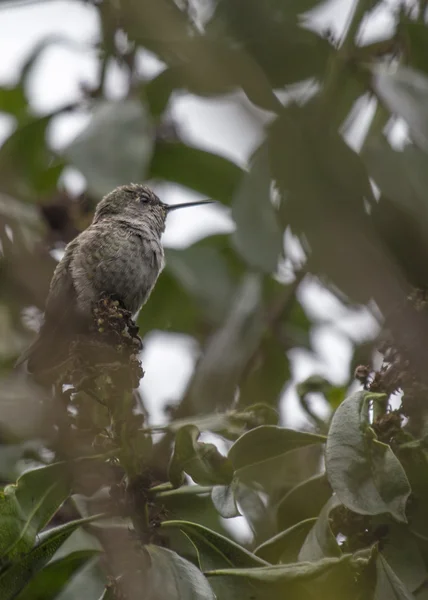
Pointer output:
x,y
258,236
303,501
15,577
115,148
320,541
267,376
209,174
215,550
405,92
160,313
204,274
26,164
388,585
324,188
170,577
28,506
13,101
285,546
203,462
363,472
48,582
228,351
416,44
267,442
157,92
271,34
401,176
402,553
230,424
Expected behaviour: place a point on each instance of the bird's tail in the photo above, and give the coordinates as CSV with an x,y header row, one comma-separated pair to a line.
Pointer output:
x,y
46,352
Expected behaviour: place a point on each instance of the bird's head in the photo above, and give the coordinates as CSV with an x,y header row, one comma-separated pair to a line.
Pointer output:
x,y
137,204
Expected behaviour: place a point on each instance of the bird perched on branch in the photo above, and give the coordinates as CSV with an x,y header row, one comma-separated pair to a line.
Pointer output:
x,y
119,255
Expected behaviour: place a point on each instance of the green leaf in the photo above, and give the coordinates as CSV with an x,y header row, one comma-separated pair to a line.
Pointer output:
x,y
416,44
320,541
268,442
48,582
230,424
25,160
203,462
15,577
228,351
402,553
209,174
319,176
285,546
388,585
13,101
258,236
271,34
289,573
364,473
115,148
177,577
215,550
303,501
405,92
223,497
27,506
204,274
401,176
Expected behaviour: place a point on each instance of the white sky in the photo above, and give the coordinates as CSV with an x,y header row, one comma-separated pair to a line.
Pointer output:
x,y
220,125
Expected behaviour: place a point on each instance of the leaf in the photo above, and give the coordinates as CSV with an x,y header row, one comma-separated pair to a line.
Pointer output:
x,y
230,424
401,551
364,473
13,101
170,577
258,516
203,462
14,577
258,236
25,160
303,501
401,176
405,92
320,541
221,367
48,582
268,442
317,174
209,174
27,506
204,274
271,34
115,148
223,498
215,550
285,546
416,44
288,573
388,585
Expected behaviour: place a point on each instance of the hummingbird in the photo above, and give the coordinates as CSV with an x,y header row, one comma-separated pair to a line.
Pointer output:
x,y
120,255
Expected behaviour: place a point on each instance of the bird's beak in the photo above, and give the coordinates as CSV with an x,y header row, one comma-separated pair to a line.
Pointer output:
x,y
171,207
